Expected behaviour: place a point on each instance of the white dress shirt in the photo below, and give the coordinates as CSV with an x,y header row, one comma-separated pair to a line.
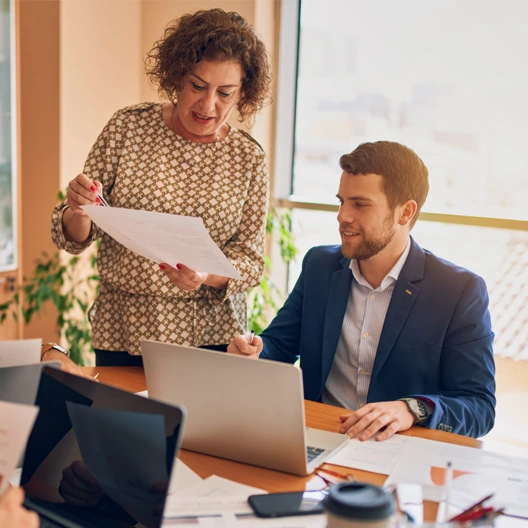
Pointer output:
x,y
349,379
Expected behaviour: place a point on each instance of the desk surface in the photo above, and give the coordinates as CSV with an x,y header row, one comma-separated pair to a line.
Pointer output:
x,y
318,416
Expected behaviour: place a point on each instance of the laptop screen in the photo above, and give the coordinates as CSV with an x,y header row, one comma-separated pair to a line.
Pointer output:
x,y
98,454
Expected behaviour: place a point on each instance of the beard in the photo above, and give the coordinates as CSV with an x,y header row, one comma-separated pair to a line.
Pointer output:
x,y
369,246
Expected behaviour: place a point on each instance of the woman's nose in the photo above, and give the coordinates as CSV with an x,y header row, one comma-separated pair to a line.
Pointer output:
x,y
208,101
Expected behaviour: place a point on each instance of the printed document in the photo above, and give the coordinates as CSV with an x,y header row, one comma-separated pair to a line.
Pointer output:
x,y
16,422
217,501
163,237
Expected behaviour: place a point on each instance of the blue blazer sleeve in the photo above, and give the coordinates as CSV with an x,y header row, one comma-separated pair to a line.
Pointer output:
x,y
466,400
282,338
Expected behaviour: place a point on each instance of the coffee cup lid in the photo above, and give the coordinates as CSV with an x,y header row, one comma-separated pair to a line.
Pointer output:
x,y
356,500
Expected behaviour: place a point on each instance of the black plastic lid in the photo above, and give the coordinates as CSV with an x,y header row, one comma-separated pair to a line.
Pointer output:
x,y
355,500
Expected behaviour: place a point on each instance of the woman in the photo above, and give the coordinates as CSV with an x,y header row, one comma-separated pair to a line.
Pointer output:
x,y
181,158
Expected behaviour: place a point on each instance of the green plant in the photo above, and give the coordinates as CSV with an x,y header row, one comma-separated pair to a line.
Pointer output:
x,y
266,299
72,302
65,284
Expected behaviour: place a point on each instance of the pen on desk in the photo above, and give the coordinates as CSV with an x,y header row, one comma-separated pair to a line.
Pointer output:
x,y
471,508
448,483
96,376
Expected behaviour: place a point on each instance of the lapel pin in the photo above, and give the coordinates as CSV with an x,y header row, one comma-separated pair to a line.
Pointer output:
x,y
408,292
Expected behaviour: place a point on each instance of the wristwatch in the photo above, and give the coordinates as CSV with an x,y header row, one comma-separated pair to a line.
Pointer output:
x,y
417,408
46,347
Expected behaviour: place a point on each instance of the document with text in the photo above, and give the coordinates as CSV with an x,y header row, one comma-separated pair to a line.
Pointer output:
x,y
163,237
17,421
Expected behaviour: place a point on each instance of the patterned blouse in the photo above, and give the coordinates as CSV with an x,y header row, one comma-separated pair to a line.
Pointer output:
x,y
142,164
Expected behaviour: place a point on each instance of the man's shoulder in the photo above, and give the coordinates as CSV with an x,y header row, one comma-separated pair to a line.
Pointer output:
x,y
325,255
447,274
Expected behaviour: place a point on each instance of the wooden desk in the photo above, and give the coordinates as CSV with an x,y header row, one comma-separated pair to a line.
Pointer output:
x,y
318,416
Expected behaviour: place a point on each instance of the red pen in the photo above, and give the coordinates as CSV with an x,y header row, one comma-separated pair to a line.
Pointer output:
x,y
475,515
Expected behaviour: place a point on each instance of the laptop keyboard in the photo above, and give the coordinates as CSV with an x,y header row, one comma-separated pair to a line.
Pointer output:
x,y
313,452
47,523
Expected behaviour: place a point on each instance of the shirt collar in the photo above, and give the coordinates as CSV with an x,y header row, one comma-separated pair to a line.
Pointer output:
x,y
390,278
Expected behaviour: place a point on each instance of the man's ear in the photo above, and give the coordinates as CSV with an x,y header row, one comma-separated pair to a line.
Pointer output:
x,y
407,212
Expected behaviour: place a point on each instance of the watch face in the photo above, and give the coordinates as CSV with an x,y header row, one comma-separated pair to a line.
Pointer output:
x,y
421,411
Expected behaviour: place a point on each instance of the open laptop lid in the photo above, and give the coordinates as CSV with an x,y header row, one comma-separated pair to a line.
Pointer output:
x,y
20,352
19,384
126,442
239,409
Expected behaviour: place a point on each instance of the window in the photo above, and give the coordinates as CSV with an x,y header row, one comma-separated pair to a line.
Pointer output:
x,y
444,78
7,134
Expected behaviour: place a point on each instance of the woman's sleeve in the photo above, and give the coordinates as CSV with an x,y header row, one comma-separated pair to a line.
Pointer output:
x,y
101,165
245,250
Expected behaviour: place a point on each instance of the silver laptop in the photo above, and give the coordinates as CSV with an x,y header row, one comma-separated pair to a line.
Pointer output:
x,y
238,408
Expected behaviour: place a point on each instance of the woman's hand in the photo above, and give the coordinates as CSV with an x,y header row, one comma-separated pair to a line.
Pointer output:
x,y
81,191
187,279
12,513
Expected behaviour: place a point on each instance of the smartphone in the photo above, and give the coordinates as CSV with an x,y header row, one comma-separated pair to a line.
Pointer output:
x,y
291,503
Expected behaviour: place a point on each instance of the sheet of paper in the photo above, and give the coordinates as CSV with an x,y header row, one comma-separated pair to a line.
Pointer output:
x,y
20,352
377,457
213,496
16,422
163,237
183,477
471,481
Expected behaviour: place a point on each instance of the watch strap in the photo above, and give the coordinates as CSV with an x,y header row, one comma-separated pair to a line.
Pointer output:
x,y
46,347
417,408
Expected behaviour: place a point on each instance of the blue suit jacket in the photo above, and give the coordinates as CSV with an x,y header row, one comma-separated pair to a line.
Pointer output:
x,y
436,340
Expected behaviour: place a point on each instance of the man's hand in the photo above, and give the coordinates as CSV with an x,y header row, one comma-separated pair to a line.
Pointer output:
x,y
79,487
241,347
66,363
373,417
13,514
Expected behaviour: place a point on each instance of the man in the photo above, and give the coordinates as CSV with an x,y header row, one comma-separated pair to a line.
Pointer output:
x,y
381,326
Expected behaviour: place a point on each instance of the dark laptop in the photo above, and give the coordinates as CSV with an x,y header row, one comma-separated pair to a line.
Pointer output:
x,y
125,443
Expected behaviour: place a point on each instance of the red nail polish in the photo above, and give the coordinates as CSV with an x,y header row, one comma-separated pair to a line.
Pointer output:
x,y
98,200
162,266
92,188
178,266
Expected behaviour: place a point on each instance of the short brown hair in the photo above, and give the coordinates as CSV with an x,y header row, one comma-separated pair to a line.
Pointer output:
x,y
212,35
405,176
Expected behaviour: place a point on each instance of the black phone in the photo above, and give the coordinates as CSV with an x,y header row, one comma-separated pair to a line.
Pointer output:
x,y
291,503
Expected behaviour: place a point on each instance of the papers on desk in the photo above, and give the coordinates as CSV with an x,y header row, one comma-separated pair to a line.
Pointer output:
x,y
17,421
217,501
183,477
20,352
476,473
376,457
164,237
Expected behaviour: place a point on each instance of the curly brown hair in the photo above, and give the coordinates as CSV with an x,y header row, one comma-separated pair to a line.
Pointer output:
x,y
212,35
